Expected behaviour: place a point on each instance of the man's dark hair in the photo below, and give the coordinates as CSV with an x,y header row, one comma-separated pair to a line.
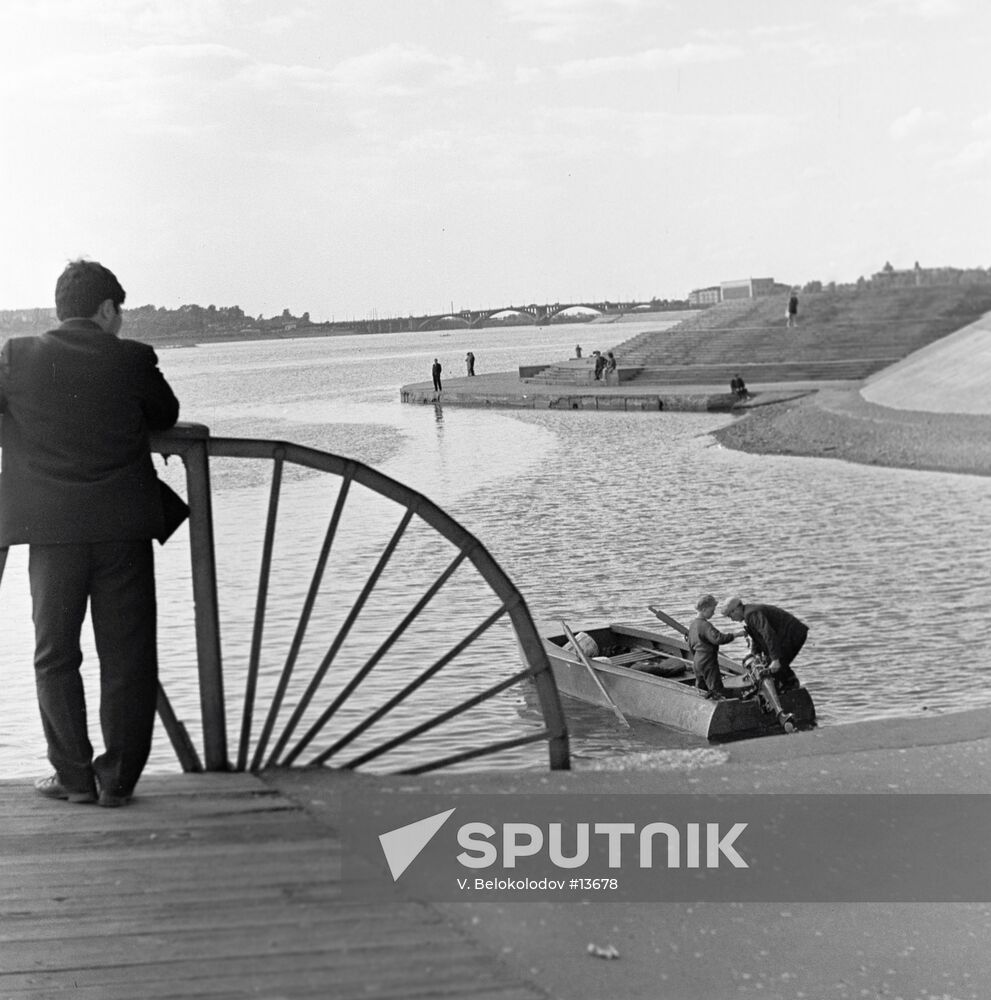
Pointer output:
x,y
82,286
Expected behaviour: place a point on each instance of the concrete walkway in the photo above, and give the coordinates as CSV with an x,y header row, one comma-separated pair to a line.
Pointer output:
x,y
507,390
710,951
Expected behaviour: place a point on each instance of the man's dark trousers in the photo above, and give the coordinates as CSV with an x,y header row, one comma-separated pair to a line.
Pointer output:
x,y
118,578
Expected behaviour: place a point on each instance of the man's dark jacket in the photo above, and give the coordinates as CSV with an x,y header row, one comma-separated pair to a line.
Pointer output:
x,y
776,633
78,405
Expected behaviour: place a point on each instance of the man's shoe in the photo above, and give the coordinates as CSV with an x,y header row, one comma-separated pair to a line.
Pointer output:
x,y
52,788
110,801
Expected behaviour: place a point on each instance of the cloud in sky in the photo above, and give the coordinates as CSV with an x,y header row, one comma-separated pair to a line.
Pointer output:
x,y
171,18
564,20
929,10
972,158
653,134
649,60
914,122
402,70
176,89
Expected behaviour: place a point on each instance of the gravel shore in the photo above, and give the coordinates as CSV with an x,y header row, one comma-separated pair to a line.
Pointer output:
x,y
834,423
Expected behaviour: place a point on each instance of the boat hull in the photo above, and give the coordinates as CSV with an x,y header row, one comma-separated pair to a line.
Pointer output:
x,y
669,701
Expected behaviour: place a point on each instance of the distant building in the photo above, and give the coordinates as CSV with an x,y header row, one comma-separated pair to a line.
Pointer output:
x,y
900,277
727,291
749,288
704,296
905,277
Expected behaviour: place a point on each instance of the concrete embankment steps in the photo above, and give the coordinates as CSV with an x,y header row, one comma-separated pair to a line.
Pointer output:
x,y
848,336
719,372
849,370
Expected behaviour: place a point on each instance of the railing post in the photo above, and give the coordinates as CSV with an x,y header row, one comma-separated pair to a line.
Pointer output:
x,y
191,443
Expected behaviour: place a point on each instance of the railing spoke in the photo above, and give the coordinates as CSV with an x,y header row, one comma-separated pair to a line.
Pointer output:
x,y
185,752
486,751
376,657
256,637
304,619
412,686
335,646
437,720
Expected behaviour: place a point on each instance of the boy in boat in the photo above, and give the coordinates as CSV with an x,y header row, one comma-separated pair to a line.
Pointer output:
x,y
704,640
774,633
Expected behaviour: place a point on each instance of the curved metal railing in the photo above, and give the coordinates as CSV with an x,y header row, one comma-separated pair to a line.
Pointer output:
x,y
310,711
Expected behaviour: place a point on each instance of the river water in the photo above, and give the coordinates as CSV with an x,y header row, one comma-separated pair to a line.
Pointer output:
x,y
593,515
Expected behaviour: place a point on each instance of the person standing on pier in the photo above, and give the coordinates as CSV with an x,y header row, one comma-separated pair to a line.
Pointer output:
x,y
435,371
79,487
792,313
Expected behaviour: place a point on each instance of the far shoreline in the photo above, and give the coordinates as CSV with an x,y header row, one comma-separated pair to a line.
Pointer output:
x,y
841,424
801,419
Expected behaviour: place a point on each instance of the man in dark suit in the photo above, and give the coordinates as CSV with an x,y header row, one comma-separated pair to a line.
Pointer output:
x,y
78,485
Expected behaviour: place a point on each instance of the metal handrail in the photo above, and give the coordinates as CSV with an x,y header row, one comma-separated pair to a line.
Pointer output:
x,y
195,446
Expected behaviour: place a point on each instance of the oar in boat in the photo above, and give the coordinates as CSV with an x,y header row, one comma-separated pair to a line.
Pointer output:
x,y
668,620
595,677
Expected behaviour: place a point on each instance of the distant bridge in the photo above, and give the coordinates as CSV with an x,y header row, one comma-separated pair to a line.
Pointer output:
x,y
539,314
469,319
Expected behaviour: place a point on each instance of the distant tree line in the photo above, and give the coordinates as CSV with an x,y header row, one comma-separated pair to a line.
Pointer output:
x,y
908,277
158,325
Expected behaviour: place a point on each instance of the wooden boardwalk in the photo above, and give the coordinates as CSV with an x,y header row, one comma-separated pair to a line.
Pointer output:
x,y
214,885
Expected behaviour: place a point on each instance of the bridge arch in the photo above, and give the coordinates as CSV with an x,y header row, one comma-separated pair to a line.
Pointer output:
x,y
446,322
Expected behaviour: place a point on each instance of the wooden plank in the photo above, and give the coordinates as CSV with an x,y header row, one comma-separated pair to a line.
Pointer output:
x,y
635,656
177,785
204,889
177,917
437,971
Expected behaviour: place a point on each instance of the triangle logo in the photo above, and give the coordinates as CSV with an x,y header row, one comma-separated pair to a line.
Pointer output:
x,y
402,845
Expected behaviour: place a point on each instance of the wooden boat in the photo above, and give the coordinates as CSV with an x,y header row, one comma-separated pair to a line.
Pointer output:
x,y
649,675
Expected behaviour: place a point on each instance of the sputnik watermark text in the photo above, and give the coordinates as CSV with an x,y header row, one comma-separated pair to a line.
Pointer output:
x,y
682,848
679,847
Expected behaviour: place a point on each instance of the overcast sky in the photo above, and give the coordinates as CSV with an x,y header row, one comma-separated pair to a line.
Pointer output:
x,y
381,157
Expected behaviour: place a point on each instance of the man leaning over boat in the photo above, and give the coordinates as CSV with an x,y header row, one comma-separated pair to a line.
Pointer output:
x,y
774,633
